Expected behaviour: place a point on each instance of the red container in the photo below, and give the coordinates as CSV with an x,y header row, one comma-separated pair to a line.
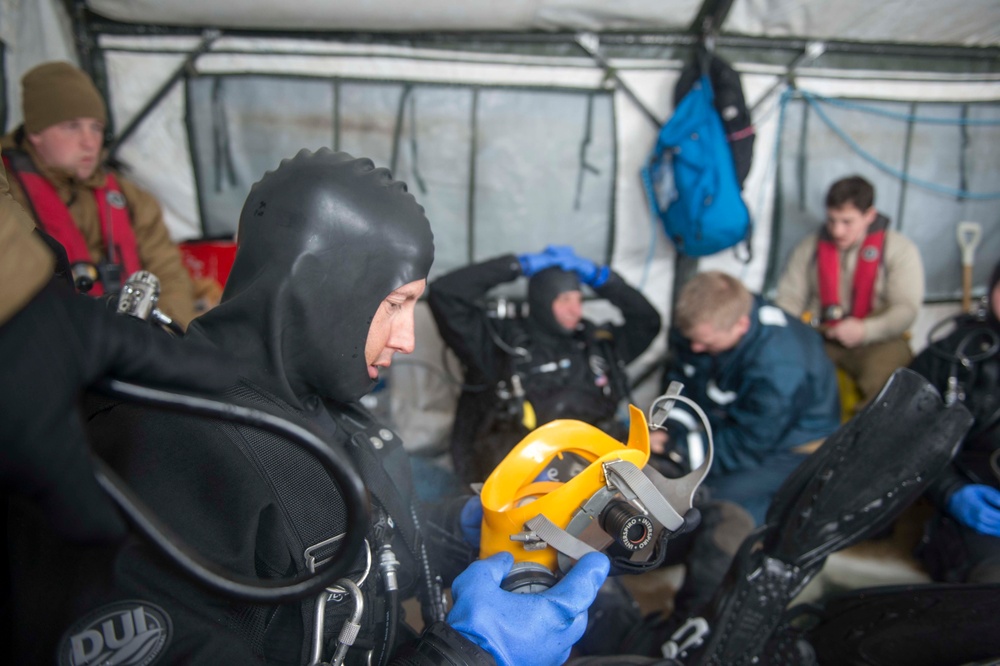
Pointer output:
x,y
209,258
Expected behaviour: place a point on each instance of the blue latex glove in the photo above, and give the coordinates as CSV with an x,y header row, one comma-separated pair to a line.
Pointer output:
x,y
471,520
588,272
535,263
563,254
977,506
519,629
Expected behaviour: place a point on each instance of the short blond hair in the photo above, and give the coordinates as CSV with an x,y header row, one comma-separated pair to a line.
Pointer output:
x,y
711,297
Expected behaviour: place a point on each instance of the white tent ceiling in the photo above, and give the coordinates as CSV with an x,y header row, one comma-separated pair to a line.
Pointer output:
x,y
955,22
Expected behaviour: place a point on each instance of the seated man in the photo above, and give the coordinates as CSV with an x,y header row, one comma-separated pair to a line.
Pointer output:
x,y
963,540
861,283
524,372
107,224
762,378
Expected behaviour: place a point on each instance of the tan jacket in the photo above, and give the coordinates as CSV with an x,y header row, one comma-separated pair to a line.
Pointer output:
x,y
25,263
899,286
157,253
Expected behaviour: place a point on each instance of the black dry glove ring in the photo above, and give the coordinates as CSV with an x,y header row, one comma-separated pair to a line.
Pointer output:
x,y
440,645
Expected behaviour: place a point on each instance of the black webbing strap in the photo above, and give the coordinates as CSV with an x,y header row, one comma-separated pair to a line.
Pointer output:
x,y
385,491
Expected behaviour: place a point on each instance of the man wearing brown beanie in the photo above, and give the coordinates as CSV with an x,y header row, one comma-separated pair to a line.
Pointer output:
x,y
108,225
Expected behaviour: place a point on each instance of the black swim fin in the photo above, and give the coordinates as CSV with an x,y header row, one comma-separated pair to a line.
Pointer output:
x,y
855,485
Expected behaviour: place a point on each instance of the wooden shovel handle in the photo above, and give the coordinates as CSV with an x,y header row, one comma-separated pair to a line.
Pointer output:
x,y
966,288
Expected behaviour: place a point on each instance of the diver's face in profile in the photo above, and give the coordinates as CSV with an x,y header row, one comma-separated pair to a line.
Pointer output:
x,y
392,327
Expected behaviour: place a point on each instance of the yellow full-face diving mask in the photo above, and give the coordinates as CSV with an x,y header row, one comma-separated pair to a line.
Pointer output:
x,y
568,489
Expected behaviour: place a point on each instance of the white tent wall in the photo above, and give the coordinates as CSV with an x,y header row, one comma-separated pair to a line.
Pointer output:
x,y
159,156
911,87
33,32
642,254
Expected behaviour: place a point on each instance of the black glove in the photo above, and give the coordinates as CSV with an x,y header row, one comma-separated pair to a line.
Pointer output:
x,y
58,344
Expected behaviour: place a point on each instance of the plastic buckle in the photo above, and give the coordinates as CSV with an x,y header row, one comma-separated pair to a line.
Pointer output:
x,y
690,635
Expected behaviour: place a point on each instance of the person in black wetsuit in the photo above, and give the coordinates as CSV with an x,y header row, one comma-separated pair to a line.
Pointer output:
x,y
962,541
332,256
554,363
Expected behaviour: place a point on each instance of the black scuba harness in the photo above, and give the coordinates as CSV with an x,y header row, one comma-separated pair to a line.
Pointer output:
x,y
528,378
966,354
977,347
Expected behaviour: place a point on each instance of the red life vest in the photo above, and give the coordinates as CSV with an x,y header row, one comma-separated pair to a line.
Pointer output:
x,y
52,215
863,287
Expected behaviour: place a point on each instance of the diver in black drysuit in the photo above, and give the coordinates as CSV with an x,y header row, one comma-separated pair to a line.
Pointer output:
x,y
574,374
962,541
331,250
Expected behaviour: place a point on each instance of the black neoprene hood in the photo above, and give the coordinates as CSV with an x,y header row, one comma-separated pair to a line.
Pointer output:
x,y
543,288
322,240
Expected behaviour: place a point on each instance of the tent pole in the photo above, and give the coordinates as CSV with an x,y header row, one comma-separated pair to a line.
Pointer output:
x,y
86,49
590,43
206,43
812,51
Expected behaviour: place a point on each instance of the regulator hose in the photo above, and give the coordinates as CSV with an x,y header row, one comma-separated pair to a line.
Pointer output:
x,y
192,563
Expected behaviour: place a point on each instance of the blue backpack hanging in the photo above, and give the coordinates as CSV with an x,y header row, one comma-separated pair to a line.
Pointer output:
x,y
691,180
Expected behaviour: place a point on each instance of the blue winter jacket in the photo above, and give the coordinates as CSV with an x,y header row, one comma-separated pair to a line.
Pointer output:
x,y
776,389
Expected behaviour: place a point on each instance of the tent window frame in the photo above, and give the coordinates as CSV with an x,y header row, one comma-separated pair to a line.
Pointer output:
x,y
475,89
808,118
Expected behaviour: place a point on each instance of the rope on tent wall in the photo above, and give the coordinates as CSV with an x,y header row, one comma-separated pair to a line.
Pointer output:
x,y
591,43
222,151
963,166
3,82
893,115
470,204
816,103
904,186
770,170
777,220
397,127
585,166
407,109
655,217
417,177
335,91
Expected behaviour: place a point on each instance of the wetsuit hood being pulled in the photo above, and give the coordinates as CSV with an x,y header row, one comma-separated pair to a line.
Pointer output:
x,y
322,241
